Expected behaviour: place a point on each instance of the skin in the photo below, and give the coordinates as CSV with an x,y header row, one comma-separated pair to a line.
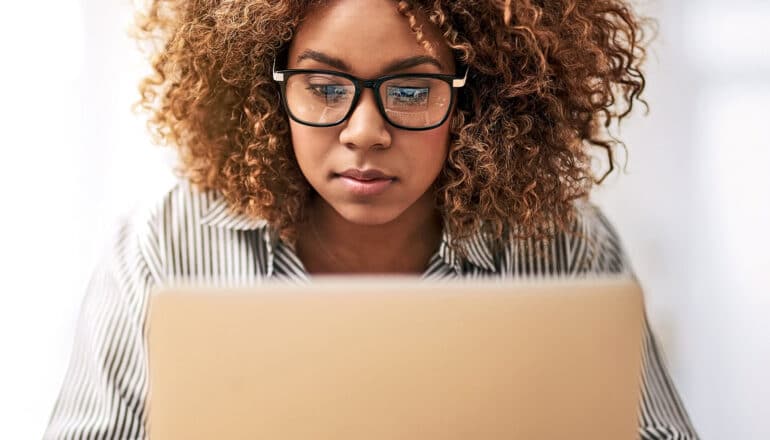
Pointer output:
x,y
396,231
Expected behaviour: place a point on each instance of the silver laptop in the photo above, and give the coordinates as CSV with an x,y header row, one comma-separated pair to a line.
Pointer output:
x,y
396,359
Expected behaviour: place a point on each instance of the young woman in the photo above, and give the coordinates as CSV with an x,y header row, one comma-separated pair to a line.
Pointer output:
x,y
436,138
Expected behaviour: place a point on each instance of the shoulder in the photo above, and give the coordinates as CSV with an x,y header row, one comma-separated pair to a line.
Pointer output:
x,y
591,246
191,234
601,248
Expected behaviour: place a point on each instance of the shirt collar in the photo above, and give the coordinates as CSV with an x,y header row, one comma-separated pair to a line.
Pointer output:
x,y
477,248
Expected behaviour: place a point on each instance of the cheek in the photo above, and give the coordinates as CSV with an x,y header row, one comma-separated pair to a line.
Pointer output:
x,y
310,145
428,151
301,140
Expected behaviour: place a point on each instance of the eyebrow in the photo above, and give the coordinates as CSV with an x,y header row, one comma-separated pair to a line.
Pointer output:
x,y
394,66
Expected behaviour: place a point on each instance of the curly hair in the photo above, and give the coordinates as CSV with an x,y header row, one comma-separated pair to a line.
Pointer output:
x,y
546,81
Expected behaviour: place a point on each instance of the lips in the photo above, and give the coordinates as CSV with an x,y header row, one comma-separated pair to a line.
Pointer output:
x,y
365,182
365,175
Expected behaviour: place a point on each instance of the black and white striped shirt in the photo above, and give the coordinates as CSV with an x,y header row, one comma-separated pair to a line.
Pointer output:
x,y
192,236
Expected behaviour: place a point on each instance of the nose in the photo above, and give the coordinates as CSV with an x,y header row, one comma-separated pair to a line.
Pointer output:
x,y
366,128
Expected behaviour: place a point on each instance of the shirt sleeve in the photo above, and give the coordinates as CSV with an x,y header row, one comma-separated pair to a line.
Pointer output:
x,y
104,390
662,415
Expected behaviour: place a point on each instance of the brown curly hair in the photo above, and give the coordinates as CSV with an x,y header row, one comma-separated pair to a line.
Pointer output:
x,y
546,81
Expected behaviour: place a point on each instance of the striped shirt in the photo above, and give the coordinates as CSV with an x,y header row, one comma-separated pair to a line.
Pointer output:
x,y
192,236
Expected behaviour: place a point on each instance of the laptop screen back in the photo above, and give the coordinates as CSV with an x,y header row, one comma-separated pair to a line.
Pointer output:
x,y
352,359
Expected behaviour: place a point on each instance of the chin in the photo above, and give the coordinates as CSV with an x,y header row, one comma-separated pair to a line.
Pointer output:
x,y
368,215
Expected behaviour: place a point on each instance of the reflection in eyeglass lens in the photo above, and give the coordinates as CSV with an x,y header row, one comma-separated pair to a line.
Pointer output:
x,y
409,119
409,97
331,94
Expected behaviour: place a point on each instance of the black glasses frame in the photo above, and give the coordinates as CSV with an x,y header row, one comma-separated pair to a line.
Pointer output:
x,y
455,82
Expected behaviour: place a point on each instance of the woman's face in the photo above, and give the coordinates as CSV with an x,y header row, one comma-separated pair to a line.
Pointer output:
x,y
363,38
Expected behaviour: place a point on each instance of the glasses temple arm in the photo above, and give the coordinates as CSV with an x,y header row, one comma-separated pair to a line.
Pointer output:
x,y
279,76
457,82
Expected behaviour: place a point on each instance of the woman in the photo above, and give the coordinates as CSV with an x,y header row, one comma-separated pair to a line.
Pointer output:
x,y
445,139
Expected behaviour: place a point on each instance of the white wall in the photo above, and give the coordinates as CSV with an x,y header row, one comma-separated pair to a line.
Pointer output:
x,y
74,159
694,208
690,209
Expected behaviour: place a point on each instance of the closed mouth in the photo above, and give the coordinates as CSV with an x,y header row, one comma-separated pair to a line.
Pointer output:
x,y
365,175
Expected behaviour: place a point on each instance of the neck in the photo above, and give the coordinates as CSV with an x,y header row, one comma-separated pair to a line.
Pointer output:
x,y
329,243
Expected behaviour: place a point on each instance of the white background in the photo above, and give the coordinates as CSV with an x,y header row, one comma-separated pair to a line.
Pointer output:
x,y
692,207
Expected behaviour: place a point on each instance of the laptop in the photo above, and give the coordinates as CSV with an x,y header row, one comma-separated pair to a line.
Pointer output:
x,y
396,358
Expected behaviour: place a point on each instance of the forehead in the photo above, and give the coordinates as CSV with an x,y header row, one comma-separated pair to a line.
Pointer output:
x,y
367,35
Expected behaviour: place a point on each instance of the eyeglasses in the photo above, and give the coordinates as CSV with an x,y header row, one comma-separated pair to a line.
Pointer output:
x,y
410,101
